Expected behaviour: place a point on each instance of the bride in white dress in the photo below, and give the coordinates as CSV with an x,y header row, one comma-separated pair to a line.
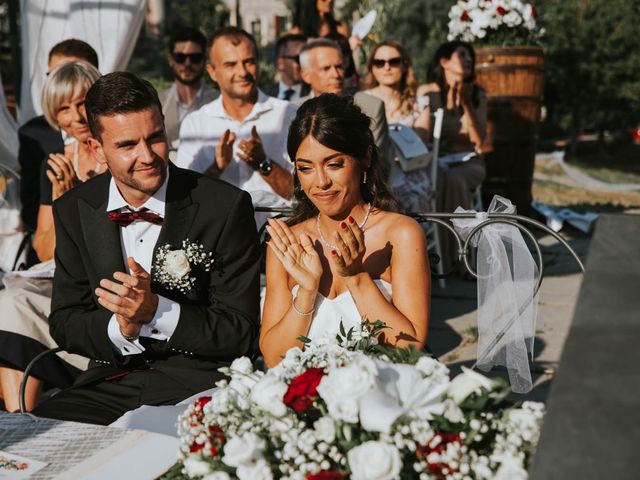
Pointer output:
x,y
344,255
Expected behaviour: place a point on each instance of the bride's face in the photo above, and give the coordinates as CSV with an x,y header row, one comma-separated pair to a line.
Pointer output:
x,y
330,179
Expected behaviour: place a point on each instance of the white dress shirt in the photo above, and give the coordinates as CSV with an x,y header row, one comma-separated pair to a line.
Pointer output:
x,y
283,87
138,241
201,131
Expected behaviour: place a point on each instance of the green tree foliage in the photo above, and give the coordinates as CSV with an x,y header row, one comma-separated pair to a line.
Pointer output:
x,y
149,55
593,62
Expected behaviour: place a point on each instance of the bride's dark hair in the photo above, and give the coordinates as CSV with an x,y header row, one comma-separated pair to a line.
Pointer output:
x,y
337,123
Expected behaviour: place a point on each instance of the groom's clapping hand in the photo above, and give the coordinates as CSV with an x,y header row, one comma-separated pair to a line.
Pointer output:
x,y
131,300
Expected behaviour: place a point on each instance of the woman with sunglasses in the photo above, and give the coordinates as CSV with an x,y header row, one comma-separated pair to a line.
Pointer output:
x,y
392,80
24,329
344,256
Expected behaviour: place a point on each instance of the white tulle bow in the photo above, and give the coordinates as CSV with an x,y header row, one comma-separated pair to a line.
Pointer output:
x,y
507,306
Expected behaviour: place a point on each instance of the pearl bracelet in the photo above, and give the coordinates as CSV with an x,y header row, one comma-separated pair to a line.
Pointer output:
x,y
303,314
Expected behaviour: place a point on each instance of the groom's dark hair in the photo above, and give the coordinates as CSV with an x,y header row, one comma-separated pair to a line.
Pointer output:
x,y
116,93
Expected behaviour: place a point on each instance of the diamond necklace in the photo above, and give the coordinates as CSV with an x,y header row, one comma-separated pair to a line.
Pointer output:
x,y
330,245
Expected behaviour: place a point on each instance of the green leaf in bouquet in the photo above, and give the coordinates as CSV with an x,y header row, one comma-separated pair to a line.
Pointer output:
x,y
305,340
342,332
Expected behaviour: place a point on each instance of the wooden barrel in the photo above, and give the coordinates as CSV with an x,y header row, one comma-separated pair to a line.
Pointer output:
x,y
513,79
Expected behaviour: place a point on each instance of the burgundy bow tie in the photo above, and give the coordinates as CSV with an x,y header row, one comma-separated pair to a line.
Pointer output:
x,y
125,218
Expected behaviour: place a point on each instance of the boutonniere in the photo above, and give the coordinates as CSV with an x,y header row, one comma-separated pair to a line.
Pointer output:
x,y
172,267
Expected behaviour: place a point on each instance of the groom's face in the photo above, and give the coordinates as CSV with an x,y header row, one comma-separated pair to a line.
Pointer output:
x,y
134,147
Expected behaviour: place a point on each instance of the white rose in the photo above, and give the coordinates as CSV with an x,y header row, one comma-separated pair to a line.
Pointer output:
x,y
256,471
217,476
176,263
220,401
241,365
243,450
268,393
432,368
344,409
195,467
342,387
325,429
452,412
374,461
467,383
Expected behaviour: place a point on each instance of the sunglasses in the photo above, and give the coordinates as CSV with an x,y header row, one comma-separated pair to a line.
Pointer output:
x,y
393,62
182,57
295,58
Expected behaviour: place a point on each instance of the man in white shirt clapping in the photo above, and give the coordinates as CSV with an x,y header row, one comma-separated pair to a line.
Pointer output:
x,y
241,136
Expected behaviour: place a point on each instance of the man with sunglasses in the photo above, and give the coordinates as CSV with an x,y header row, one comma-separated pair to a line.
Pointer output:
x,y
241,137
290,87
188,93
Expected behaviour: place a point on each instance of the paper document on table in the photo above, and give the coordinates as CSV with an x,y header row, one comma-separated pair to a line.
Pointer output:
x,y
18,467
83,451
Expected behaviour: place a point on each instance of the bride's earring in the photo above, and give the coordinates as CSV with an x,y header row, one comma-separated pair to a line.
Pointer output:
x,y
364,177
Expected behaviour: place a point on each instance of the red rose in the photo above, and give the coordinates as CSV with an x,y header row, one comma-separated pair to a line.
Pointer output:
x,y
196,447
326,475
501,10
436,468
303,389
465,16
217,438
202,401
534,13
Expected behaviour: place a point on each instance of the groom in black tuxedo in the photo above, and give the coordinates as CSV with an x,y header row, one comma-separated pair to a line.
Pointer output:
x,y
151,342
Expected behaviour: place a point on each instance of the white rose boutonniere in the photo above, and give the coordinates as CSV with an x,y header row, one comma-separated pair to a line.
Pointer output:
x,y
172,267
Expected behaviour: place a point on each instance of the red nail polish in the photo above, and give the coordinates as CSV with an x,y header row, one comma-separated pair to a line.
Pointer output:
x,y
343,225
334,252
351,220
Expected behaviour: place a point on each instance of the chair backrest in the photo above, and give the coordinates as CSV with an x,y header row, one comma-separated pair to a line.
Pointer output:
x,y
435,150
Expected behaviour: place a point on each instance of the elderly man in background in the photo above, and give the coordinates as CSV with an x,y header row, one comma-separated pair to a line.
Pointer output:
x,y
241,136
322,67
290,86
186,57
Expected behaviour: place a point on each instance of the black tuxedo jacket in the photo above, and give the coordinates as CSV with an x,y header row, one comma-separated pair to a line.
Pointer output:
x,y
37,141
219,318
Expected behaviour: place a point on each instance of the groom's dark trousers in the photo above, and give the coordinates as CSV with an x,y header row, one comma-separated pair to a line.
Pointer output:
x,y
219,317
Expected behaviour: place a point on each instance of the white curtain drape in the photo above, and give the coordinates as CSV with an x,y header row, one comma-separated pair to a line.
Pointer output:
x,y
111,27
8,135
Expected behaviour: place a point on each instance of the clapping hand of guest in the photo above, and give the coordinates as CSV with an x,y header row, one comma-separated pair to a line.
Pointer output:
x,y
251,149
130,298
349,240
223,154
298,256
460,95
61,175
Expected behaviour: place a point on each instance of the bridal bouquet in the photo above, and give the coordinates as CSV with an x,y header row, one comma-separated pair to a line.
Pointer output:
x,y
346,407
495,22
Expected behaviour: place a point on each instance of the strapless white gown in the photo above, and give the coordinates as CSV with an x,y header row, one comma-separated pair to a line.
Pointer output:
x,y
330,312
